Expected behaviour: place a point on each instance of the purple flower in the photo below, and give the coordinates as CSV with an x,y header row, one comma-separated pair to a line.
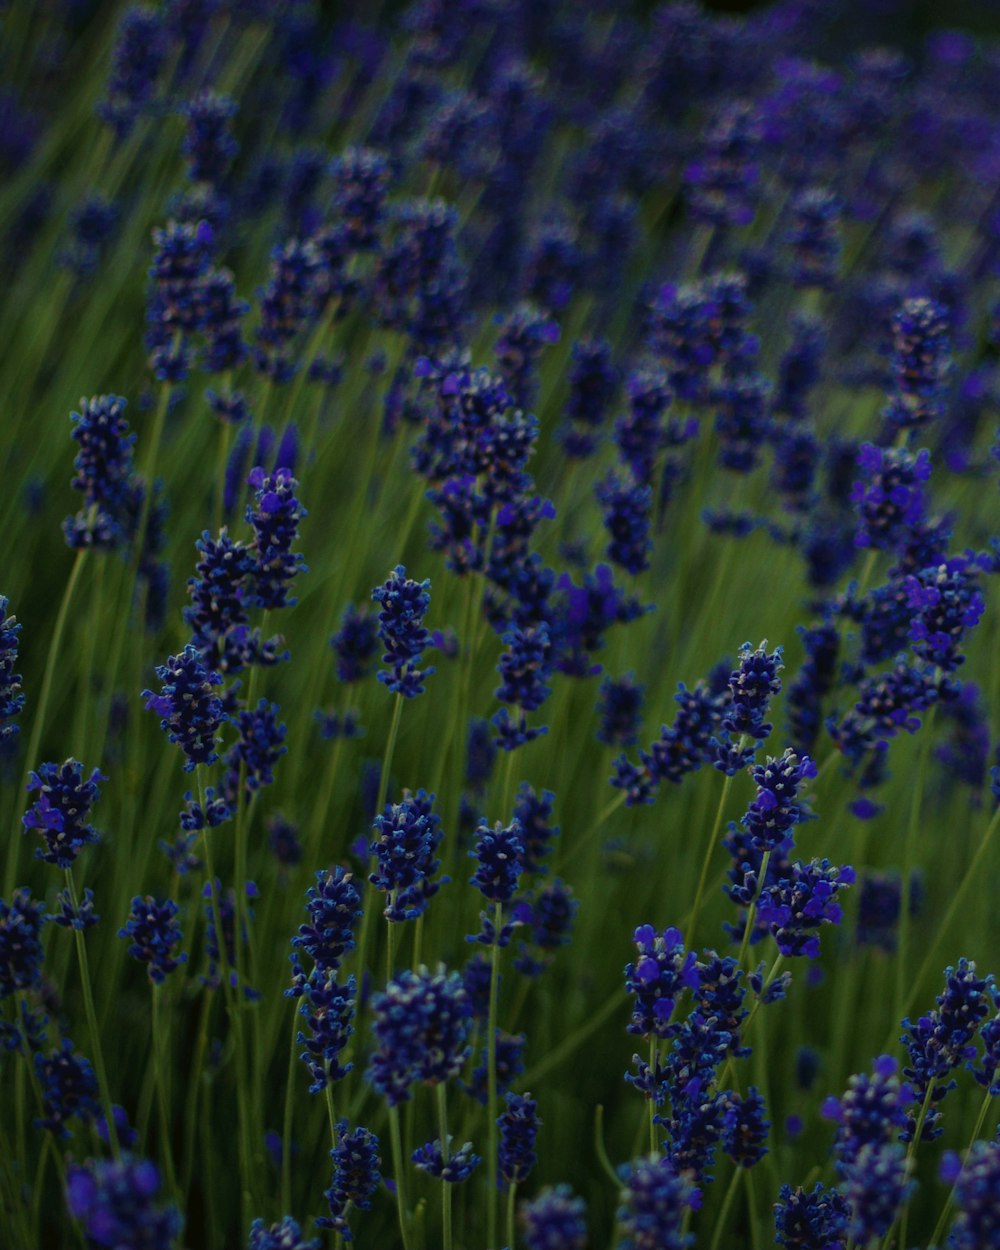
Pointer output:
x,y
662,970
797,905
459,1166
499,853
153,932
21,951
977,1195
208,142
811,1221
921,361
356,1175
354,643
744,1129
61,809
103,471
275,520
408,835
774,811
115,1202
285,1235
871,1112
518,1124
554,1220
258,749
334,907
190,714
940,1041
141,49
328,1009
945,601
653,1201
889,496
626,506
403,605
876,1186
68,1088
421,1025
11,698
815,237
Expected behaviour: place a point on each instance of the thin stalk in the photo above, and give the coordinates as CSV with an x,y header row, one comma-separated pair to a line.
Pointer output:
x,y
38,723
511,1206
397,1163
88,1006
442,1105
194,1087
364,938
600,1149
972,873
286,1128
235,1019
162,1069
710,847
491,1078
909,845
946,1209
752,912
727,1202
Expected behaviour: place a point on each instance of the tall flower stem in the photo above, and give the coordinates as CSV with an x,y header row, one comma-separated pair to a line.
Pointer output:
x,y
88,1006
909,846
491,1077
442,1106
752,911
236,1021
38,723
727,1202
397,1163
950,1201
710,847
162,1070
972,873
286,1127
364,938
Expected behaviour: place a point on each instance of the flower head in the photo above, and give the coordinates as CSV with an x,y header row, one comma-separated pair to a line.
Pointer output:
x,y
421,1024
61,809
11,698
190,714
115,1202
403,605
153,931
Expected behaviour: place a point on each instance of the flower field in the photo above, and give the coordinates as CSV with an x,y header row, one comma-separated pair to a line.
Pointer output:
x,y
499,662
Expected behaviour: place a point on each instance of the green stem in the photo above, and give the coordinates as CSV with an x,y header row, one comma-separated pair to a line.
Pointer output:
x,y
909,847
195,1082
940,930
727,1202
652,1101
364,939
442,1104
286,1128
38,723
162,1069
88,1006
752,912
236,1021
511,1207
491,1077
980,1121
600,1149
709,848
397,1163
